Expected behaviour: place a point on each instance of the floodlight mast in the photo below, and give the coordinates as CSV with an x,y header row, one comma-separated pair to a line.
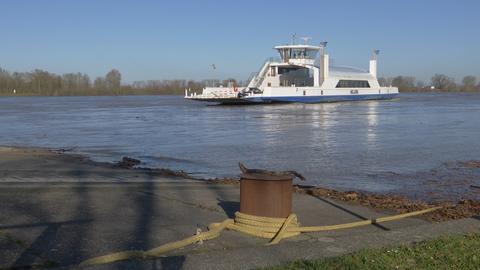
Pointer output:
x,y
375,54
323,46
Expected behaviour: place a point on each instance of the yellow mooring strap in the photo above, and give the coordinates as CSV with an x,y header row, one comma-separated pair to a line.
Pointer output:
x,y
272,228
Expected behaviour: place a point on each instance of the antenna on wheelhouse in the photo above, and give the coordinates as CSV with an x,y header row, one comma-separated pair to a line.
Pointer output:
x,y
294,36
305,40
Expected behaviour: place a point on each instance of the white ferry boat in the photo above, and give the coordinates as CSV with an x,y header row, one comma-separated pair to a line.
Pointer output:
x,y
298,77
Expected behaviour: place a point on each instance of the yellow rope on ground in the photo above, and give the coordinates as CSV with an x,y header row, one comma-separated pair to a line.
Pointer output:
x,y
275,229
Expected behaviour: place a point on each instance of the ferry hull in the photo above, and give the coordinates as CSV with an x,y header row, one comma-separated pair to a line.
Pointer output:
x,y
296,99
320,99
232,101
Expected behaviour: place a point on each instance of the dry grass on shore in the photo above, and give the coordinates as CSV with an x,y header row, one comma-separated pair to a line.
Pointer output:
x,y
395,203
399,204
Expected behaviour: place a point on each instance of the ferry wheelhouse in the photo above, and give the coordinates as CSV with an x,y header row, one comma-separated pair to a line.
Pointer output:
x,y
301,76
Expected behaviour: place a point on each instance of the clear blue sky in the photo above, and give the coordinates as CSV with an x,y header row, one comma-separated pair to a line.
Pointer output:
x,y
180,39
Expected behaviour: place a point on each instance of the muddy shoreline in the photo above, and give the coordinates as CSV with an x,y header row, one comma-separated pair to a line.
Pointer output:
x,y
395,203
32,163
25,163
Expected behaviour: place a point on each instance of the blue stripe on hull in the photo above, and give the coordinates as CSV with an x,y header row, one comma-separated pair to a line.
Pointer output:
x,y
317,99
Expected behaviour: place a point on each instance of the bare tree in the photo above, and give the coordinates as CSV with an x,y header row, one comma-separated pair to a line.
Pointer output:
x,y
6,82
229,81
404,83
99,83
469,83
383,81
443,82
420,85
113,79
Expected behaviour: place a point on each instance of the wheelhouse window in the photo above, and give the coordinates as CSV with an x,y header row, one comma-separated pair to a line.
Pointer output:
x,y
283,70
297,53
302,53
352,84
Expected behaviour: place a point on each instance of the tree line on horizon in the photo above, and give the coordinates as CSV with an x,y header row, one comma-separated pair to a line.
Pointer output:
x,y
438,82
42,83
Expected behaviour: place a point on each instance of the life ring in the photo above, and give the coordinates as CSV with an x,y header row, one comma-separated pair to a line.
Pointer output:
x,y
235,89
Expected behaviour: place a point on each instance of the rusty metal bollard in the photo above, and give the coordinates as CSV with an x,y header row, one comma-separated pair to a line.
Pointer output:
x,y
266,195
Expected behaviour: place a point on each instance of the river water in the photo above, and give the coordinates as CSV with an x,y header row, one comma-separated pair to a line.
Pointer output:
x,y
411,145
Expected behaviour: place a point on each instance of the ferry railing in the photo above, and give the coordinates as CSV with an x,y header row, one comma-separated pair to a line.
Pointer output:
x,y
257,79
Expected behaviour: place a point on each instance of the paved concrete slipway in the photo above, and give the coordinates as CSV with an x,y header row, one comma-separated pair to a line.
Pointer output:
x,y
57,210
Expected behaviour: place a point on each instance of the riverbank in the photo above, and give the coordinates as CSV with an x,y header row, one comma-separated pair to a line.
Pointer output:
x,y
59,209
58,165
395,203
24,164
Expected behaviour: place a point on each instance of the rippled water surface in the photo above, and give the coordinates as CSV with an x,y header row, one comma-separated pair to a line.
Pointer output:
x,y
410,145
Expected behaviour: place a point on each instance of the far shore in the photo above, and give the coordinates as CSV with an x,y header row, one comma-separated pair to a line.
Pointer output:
x,y
19,94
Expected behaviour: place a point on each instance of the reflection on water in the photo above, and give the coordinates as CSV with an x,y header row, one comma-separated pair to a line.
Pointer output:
x,y
372,118
371,145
